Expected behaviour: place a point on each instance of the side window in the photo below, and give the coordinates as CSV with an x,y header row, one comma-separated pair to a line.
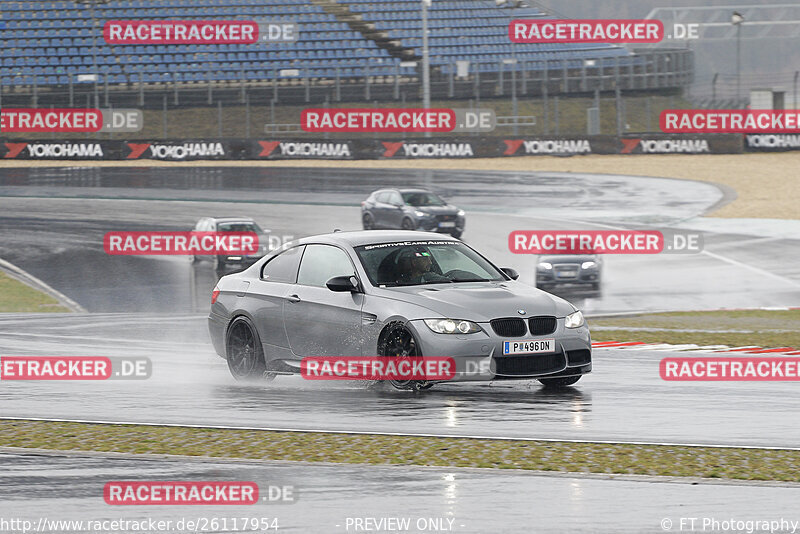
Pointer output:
x,y
383,197
321,263
283,267
395,199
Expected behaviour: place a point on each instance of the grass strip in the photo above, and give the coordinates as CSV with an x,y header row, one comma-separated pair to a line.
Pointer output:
x,y
16,297
729,463
764,328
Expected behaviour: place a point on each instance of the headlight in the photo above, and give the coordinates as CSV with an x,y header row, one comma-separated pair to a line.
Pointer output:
x,y
460,213
574,320
420,213
545,266
452,326
588,265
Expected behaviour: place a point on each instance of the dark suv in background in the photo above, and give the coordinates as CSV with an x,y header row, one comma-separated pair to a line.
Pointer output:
x,y
411,209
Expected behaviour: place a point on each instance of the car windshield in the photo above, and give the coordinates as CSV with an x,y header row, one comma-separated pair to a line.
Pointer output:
x,y
239,227
412,263
418,199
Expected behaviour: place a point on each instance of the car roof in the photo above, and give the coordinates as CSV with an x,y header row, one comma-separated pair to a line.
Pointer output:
x,y
372,237
410,190
231,219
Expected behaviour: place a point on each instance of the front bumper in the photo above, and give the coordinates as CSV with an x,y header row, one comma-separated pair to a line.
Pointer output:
x,y
432,224
582,277
479,356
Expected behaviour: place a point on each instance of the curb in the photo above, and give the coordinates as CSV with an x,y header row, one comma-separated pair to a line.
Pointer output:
x,y
31,281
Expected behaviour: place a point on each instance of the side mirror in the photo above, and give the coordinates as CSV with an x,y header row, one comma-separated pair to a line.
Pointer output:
x,y
511,273
343,283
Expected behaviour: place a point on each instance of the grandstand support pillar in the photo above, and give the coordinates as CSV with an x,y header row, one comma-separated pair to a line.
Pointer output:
x,y
105,87
451,90
71,91
514,103
175,88
242,93
648,111
584,86
366,81
396,93
500,78
564,68
616,73
477,90
164,117
274,85
219,118
247,115
35,103
631,75
546,108
141,87
338,87
272,111
210,99
556,113
618,100
426,60
524,77
307,83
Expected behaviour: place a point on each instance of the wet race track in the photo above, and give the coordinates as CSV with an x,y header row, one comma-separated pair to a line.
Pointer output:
x,y
53,222
431,499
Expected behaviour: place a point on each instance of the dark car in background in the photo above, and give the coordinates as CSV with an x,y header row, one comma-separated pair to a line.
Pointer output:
x,y
576,270
232,224
411,209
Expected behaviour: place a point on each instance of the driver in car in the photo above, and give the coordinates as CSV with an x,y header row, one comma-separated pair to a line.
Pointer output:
x,y
416,267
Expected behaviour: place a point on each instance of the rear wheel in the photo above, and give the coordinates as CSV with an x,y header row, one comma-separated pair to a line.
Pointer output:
x,y
557,383
244,352
368,222
408,224
399,342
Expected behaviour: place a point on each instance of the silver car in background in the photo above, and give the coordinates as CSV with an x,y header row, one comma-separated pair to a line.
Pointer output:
x,y
232,224
395,293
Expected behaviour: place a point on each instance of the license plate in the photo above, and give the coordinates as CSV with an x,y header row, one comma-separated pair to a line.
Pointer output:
x,y
530,346
449,224
567,274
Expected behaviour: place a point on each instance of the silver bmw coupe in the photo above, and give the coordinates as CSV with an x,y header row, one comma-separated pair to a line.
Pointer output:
x,y
395,294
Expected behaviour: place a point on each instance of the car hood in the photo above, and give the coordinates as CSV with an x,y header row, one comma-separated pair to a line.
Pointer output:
x,y
437,210
480,301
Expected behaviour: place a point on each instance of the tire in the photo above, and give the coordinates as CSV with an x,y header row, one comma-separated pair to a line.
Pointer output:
x,y
399,341
218,263
457,235
558,383
596,286
243,351
408,224
368,222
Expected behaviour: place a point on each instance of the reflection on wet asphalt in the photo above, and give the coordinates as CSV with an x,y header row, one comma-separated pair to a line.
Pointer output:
x,y
463,500
622,400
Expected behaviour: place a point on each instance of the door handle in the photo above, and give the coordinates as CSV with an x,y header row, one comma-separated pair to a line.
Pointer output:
x,y
293,298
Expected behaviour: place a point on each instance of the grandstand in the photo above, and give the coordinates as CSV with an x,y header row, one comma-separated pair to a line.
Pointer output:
x,y
49,45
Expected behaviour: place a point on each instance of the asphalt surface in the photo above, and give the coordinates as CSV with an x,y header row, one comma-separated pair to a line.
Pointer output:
x,y
623,399
53,221
50,487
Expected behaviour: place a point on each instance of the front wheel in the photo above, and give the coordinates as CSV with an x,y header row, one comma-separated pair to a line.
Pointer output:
x,y
400,342
244,352
558,383
408,224
368,222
